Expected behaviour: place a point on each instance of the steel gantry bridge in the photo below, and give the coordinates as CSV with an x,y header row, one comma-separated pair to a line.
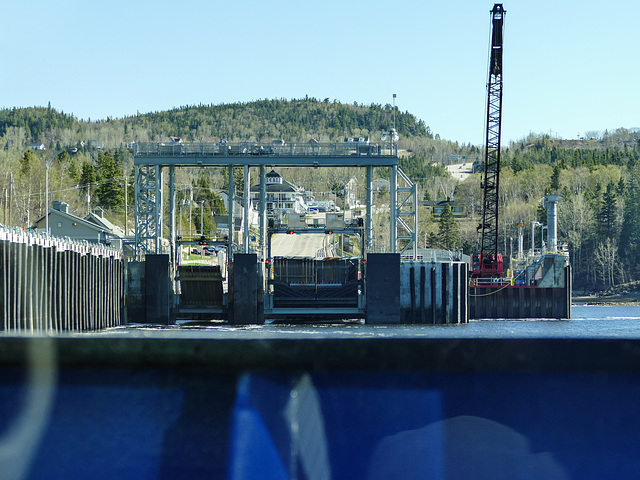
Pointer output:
x,y
152,160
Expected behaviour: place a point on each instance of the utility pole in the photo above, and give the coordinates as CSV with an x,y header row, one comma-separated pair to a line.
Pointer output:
x,y
10,196
126,206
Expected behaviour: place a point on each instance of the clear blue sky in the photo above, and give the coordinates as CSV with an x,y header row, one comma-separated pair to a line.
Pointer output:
x,y
570,66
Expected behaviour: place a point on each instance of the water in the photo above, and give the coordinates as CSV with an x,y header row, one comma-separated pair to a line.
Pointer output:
x,y
586,322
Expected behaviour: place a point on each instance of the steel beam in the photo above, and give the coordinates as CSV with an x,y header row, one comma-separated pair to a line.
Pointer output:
x,y
267,160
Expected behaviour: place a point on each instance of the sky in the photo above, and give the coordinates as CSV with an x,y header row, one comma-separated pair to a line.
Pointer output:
x,y
570,67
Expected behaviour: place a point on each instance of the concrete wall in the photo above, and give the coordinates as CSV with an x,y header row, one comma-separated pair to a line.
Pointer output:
x,y
433,292
383,288
415,292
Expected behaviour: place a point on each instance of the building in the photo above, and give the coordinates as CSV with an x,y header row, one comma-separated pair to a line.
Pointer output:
x,y
94,228
222,221
282,196
380,185
437,207
351,193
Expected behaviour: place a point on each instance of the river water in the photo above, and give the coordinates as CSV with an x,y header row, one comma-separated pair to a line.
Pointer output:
x,y
586,322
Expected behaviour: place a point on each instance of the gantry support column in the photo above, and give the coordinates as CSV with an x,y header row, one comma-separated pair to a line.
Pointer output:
x,y
172,219
231,196
148,209
246,224
393,209
263,212
369,219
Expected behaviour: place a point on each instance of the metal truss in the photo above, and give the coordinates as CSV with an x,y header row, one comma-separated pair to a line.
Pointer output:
x,y
148,210
489,225
406,216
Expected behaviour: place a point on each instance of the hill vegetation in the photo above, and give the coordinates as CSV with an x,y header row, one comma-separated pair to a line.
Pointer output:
x,y
598,178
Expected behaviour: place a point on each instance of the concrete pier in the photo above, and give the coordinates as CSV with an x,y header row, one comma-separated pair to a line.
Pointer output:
x,y
433,292
416,292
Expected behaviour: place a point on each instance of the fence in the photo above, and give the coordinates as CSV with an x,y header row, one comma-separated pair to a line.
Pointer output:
x,y
50,284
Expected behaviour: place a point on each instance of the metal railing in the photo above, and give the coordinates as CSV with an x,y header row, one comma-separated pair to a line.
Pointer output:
x,y
208,149
62,244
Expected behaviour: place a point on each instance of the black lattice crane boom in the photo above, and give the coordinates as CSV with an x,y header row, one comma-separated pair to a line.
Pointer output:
x,y
488,263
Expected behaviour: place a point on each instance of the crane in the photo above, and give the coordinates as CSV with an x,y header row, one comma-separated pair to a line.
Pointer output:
x,y
488,262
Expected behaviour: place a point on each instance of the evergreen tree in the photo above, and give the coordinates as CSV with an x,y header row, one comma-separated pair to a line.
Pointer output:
x,y
555,179
630,233
27,161
608,212
110,191
73,171
87,177
448,230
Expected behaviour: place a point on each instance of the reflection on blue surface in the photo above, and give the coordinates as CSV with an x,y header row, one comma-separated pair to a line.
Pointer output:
x,y
569,417
333,425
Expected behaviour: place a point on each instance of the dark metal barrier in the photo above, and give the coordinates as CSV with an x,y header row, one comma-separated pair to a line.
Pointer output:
x,y
311,282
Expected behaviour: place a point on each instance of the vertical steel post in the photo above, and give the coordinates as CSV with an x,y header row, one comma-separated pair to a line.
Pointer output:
x,y
159,210
263,211
393,209
172,218
231,196
369,218
245,223
414,193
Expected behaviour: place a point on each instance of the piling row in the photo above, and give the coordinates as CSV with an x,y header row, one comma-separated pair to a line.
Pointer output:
x,y
50,285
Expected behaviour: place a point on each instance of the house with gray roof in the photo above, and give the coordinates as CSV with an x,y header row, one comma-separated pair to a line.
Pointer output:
x,y
94,228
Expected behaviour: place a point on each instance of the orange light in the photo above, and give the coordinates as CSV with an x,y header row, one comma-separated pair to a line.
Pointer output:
x,y
290,232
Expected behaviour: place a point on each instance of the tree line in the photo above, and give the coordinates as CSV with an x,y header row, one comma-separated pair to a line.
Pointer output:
x,y
599,214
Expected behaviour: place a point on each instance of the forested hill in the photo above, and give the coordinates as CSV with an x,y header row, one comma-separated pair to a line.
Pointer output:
x,y
263,120
292,120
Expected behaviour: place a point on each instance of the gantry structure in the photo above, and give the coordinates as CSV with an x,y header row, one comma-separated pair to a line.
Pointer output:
x,y
153,160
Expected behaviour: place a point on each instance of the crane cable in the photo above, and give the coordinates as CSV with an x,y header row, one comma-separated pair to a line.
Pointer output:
x,y
490,293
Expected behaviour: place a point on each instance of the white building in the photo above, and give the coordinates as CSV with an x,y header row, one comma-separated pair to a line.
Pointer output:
x,y
282,196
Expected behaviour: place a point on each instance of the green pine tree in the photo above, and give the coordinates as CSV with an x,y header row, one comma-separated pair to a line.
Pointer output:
x,y
608,212
448,230
27,161
87,177
73,171
110,191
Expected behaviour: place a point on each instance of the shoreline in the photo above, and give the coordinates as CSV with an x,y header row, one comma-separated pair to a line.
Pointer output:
x,y
606,300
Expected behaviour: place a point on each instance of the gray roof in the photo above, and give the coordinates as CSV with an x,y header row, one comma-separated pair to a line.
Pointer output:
x,y
277,187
